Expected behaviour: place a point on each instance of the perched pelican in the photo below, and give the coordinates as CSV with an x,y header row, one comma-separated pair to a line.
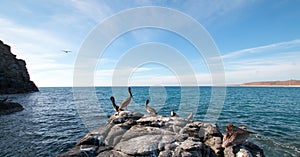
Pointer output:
x,y
173,114
235,135
190,117
126,101
66,51
149,109
116,108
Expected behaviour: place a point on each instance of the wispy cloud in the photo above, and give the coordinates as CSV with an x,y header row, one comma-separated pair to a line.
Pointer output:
x,y
40,42
92,9
146,76
263,73
40,49
263,49
211,13
278,61
54,77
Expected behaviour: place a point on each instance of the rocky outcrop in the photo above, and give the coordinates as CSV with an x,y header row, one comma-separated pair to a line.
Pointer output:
x,y
9,107
133,134
246,149
14,77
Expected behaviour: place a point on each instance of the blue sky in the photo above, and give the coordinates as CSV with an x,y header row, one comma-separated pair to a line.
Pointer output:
x,y
257,40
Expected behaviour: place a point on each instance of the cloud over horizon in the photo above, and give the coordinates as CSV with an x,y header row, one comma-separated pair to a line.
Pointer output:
x,y
38,33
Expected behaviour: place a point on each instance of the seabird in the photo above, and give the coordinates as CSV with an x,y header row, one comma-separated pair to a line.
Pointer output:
x,y
190,117
173,114
235,135
126,101
66,51
116,108
149,109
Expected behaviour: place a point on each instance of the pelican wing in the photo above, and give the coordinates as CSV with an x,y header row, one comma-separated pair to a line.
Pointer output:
x,y
125,103
150,110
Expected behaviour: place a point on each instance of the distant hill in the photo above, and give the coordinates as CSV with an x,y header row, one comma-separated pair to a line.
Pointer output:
x,y
273,83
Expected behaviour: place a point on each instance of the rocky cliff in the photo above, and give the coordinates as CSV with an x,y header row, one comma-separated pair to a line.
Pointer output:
x,y
131,134
14,77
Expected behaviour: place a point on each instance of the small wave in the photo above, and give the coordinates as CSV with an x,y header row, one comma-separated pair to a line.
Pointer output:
x,y
274,144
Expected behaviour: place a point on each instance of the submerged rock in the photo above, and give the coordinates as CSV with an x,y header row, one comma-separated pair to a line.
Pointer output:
x,y
9,107
134,134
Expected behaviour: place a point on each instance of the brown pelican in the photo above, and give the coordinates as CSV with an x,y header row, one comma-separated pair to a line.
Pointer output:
x,y
126,101
173,114
235,135
149,109
116,108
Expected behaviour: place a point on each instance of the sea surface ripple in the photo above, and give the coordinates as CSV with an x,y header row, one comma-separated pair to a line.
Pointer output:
x,y
52,121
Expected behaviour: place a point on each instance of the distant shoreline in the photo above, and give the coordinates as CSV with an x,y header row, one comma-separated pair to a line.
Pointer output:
x,y
268,86
178,86
286,83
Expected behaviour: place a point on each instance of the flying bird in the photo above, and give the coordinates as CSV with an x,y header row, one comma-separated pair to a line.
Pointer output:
x,y
149,109
235,135
126,101
66,51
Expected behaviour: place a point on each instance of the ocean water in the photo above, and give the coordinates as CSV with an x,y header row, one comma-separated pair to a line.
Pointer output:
x,y
54,119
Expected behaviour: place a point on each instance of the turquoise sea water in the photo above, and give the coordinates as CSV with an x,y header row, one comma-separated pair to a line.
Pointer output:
x,y
53,120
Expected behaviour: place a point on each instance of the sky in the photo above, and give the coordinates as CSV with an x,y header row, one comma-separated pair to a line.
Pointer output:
x,y
256,41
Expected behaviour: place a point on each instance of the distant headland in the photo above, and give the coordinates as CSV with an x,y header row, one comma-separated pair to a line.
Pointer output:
x,y
14,77
286,83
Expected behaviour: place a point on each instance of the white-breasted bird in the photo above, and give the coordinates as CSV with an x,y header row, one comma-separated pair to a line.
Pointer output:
x,y
126,101
173,114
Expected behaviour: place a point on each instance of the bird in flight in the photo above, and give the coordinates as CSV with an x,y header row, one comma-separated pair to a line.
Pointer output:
x,y
66,51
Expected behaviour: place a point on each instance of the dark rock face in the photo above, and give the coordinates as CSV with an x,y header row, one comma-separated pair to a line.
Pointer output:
x,y
9,107
14,77
131,134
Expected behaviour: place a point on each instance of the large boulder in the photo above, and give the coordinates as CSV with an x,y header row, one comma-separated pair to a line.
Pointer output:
x,y
14,77
246,149
130,134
